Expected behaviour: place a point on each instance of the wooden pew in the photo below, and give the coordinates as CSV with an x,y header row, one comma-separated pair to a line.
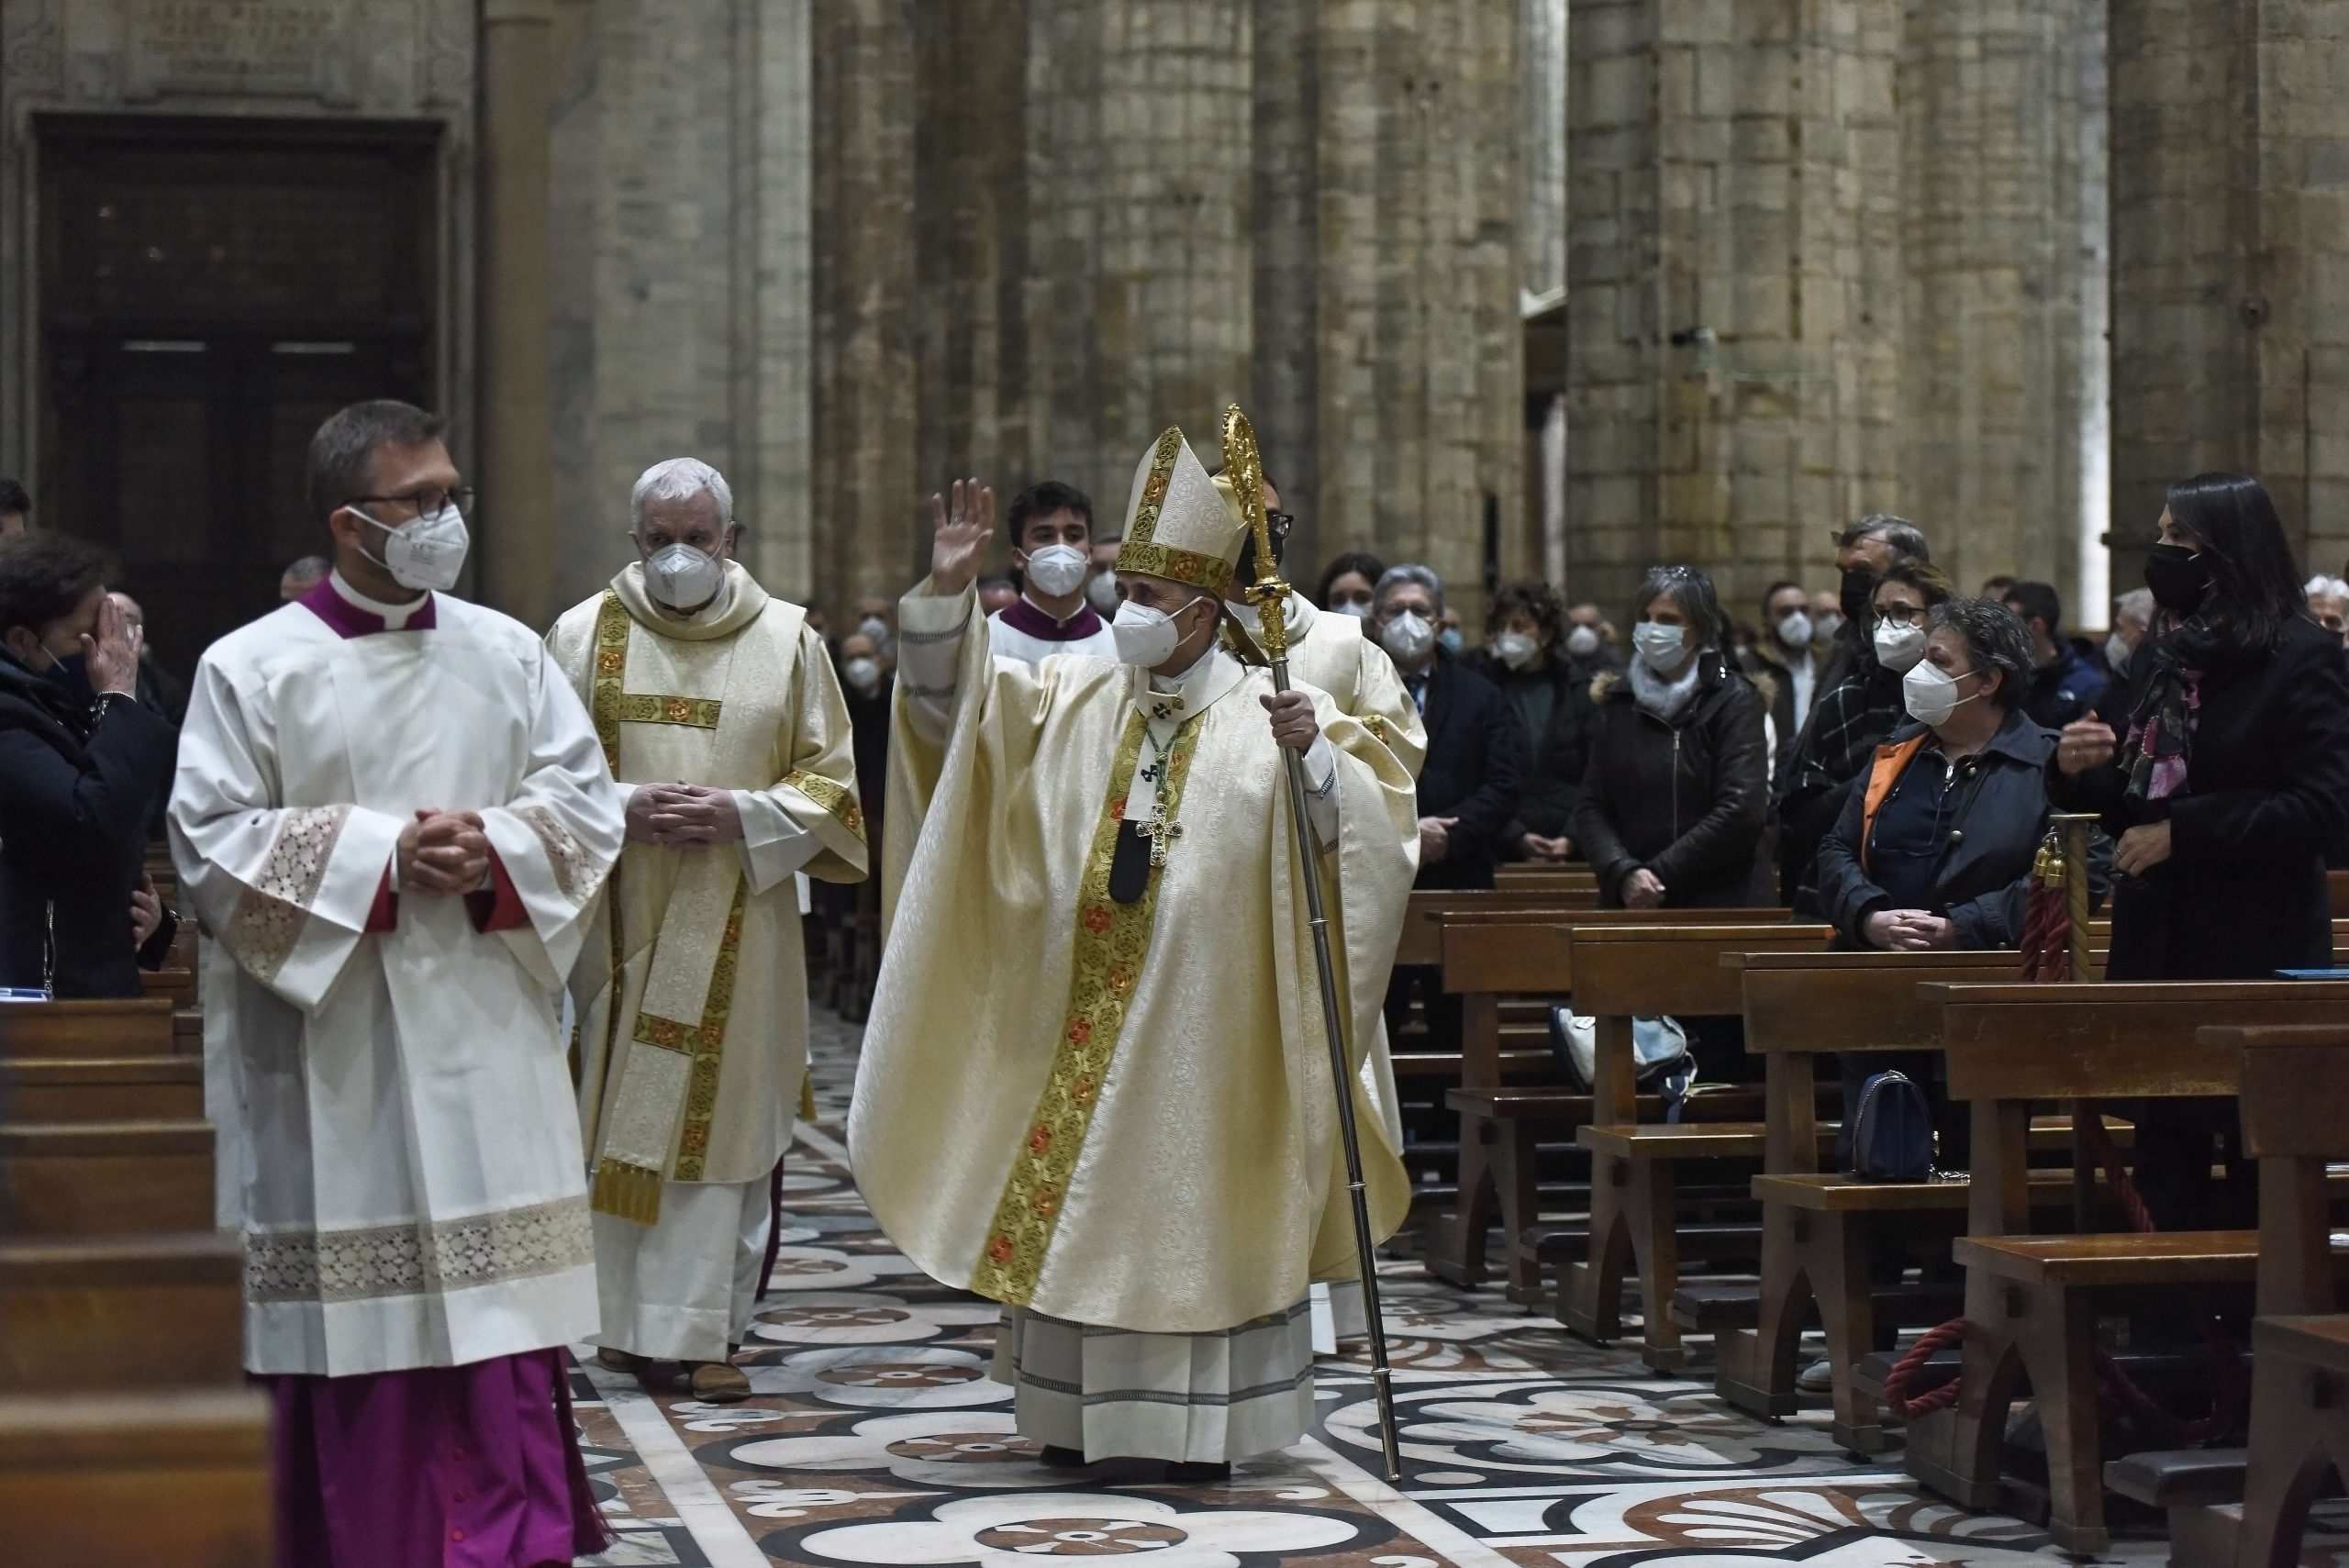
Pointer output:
x,y
2031,1302
178,984
1621,973
55,1030
178,1477
1422,942
1488,955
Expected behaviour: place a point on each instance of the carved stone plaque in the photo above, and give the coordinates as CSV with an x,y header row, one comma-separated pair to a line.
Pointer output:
x,y
293,47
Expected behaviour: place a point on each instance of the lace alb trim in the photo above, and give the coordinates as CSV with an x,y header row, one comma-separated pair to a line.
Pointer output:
x,y
267,922
576,874
420,1258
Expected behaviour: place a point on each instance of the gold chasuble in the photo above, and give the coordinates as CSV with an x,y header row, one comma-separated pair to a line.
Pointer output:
x,y
692,991
1119,1113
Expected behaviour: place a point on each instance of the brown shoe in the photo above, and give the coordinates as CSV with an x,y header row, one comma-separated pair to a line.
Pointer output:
x,y
719,1383
613,1359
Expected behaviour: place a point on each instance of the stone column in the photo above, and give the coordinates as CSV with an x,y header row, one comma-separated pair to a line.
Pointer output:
x,y
517,467
1733,296
1991,100
1284,385
2229,299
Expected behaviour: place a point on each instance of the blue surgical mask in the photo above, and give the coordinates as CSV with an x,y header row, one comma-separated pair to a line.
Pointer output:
x,y
1450,639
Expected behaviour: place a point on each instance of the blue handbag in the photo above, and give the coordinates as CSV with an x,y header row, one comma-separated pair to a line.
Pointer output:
x,y
1892,1131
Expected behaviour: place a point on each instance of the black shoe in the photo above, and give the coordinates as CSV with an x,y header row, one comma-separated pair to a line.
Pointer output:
x,y
1199,1474
1063,1458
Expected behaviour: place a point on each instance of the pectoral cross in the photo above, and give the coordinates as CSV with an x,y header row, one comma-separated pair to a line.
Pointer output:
x,y
1161,830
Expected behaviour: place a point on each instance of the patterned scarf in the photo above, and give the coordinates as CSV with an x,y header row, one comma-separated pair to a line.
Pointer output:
x,y
2161,730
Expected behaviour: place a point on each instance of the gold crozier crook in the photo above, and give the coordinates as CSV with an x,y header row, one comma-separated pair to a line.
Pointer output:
x,y
1270,595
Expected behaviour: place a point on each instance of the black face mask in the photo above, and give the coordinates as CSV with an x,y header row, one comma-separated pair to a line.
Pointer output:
x,y
2179,577
1859,595
72,673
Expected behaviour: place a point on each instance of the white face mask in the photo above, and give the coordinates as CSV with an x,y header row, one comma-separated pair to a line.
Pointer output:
x,y
1516,649
1794,629
1101,593
682,577
1058,570
1583,641
1662,647
1898,647
877,628
1359,611
2116,653
1930,693
1828,624
862,675
426,554
1144,636
1407,638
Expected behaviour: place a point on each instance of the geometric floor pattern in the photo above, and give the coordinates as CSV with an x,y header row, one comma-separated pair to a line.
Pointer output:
x,y
873,1436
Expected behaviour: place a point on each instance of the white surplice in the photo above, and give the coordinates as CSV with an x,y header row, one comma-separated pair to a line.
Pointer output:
x,y
396,1104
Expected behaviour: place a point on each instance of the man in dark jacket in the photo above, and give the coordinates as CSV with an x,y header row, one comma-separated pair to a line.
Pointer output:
x,y
2066,679
1468,788
80,760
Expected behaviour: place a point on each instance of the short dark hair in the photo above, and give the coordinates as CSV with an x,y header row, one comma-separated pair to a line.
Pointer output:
x,y
1042,500
2037,601
1359,562
1780,586
1930,582
1907,540
1995,587
342,454
1539,601
44,575
15,500
1995,640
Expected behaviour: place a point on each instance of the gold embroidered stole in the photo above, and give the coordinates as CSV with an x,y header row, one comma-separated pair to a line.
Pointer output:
x,y
1112,941
662,1061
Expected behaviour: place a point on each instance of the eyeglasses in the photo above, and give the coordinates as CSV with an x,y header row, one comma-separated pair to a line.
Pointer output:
x,y
1902,614
421,502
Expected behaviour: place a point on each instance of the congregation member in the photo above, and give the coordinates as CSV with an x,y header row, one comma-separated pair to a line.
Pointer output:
x,y
1548,695
2224,790
1590,640
2066,679
1936,850
394,818
996,594
16,509
1469,784
1050,526
1785,653
82,759
300,576
2133,618
1678,791
1350,584
876,618
2328,600
1848,721
719,714
1156,1086
1101,590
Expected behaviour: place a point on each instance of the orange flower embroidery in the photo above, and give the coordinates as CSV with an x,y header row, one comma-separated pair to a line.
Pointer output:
x,y
1121,979
680,710
999,1251
1154,488
1042,1202
1097,918
611,661
1040,1140
1082,1091
1080,1030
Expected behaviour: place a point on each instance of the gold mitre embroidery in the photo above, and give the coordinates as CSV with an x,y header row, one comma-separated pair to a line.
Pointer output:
x,y
1177,525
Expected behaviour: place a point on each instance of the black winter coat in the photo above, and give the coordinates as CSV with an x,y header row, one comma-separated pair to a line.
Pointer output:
x,y
1471,771
74,800
1551,763
1687,799
2266,797
1998,817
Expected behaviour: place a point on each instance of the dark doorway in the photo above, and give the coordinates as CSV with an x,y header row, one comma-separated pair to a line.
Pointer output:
x,y
211,290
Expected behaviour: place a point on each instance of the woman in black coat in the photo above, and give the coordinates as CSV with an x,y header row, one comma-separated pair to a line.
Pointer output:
x,y
1675,798
1549,694
2225,793
80,758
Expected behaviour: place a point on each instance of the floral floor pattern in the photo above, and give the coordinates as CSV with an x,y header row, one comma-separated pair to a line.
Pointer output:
x,y
873,1436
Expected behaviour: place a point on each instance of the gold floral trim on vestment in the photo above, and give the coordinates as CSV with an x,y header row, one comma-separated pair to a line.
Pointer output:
x,y
707,1045
1144,526
266,924
612,624
698,713
1112,940
831,795
419,1256
1209,572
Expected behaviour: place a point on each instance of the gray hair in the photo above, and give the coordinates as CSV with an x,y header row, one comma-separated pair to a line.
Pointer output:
x,y
680,479
1995,639
1410,572
2137,604
1692,590
2330,587
341,465
1907,540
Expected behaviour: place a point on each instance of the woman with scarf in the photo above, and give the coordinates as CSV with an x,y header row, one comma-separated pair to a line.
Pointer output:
x,y
2224,793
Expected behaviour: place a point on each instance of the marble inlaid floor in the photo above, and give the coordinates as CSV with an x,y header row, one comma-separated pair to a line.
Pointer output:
x,y
873,1436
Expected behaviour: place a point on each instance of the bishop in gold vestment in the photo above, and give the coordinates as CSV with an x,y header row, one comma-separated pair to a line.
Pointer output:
x,y
692,993
1095,1086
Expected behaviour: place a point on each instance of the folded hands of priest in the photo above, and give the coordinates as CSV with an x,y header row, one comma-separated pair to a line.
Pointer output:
x,y
677,815
443,851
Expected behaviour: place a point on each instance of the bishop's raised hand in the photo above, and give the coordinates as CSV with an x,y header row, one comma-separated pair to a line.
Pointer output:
x,y
962,528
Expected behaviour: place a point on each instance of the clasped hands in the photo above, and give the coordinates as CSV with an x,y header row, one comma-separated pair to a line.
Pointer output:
x,y
678,815
443,851
1907,931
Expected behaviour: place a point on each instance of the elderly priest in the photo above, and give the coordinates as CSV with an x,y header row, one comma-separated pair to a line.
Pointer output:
x,y
718,712
394,818
1095,1086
